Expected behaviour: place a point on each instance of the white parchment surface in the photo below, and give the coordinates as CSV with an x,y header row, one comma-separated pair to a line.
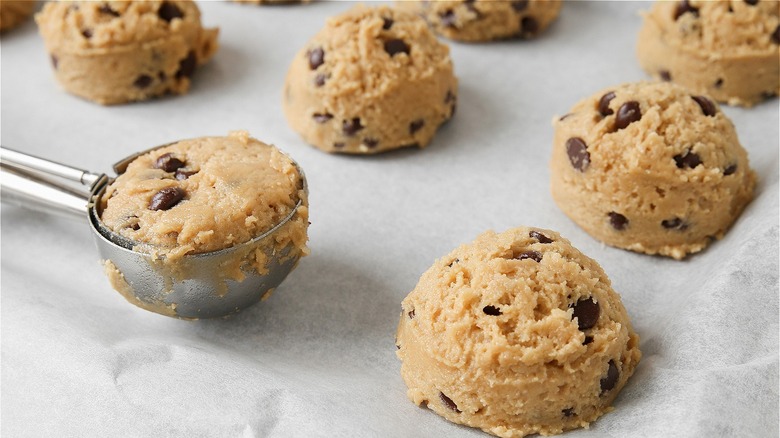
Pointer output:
x,y
318,357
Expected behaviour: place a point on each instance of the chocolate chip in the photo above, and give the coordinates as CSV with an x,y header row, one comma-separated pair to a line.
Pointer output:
x,y
707,107
751,2
106,9
588,340
528,26
587,313
187,66
416,126
768,94
87,33
776,35
520,5
449,97
568,412
338,145
370,143
719,83
730,170
539,236
319,79
457,260
322,118
166,198
395,46
316,58
685,7
491,310
161,75
168,162
627,114
143,81
168,11
617,220
611,379
604,108
387,23
411,314
135,227
688,159
578,153
533,255
665,75
351,127
448,18
182,174
54,61
448,403
674,224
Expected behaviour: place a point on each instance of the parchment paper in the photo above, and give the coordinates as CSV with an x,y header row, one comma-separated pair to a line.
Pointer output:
x,y
318,358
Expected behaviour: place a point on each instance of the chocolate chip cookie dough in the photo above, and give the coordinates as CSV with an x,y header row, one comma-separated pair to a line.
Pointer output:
x,y
123,51
650,167
14,12
729,50
372,80
516,333
486,20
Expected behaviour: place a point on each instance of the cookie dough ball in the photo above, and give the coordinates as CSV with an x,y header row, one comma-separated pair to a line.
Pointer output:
x,y
14,12
726,49
374,79
486,20
650,167
122,51
516,333
208,194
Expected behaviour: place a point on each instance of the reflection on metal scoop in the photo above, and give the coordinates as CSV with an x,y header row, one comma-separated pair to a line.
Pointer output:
x,y
197,289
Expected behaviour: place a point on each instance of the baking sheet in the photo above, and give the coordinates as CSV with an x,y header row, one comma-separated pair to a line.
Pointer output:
x,y
318,358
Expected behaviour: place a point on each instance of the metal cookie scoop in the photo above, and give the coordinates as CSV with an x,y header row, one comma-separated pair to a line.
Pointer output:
x,y
198,289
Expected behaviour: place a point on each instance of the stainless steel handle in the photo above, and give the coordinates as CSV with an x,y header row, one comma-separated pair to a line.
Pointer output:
x,y
41,167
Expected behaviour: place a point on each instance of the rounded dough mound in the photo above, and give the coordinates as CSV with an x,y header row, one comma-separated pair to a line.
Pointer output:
x,y
726,49
651,168
516,333
372,80
486,20
123,51
14,12
232,189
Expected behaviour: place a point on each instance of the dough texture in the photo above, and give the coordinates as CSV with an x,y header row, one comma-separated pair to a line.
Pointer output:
x,y
14,12
516,333
486,20
372,80
650,167
123,51
208,194
729,50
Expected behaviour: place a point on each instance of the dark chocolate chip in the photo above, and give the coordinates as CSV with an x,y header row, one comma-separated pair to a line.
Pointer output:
x,y
397,347
568,412
411,314
533,255
168,11
182,174
768,94
166,198
665,75
688,159
338,145
587,313
106,9
520,5
54,61
448,18
578,153
395,46
351,127
776,35
168,162
187,66
449,97
457,260
674,224
416,126
604,108
707,107
491,310
751,2
322,117
143,81
719,83
161,75
617,220
316,58
319,79
611,379
539,236
87,33
684,7
730,170
588,340
627,114
448,403
528,26
370,143
387,23
135,227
